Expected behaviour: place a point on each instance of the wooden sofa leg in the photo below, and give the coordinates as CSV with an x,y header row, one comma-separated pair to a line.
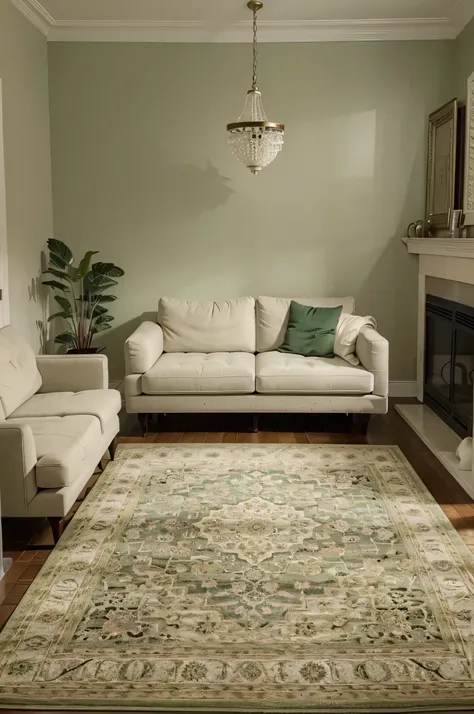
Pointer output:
x,y
254,423
57,527
361,422
143,419
113,448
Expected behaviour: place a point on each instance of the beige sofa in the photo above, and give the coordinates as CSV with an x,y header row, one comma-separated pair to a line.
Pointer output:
x,y
57,420
222,357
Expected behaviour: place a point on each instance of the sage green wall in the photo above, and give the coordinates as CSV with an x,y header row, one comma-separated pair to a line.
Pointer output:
x,y
142,172
464,59
24,71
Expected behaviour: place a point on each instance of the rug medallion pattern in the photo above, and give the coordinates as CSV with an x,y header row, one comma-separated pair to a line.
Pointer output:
x,y
249,578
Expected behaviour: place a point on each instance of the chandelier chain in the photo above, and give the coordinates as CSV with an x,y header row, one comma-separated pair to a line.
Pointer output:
x,y
255,49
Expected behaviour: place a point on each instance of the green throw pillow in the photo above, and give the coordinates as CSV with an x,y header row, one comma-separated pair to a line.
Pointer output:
x,y
311,330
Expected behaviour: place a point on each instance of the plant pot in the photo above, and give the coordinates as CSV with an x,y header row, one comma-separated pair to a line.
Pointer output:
x,y
88,351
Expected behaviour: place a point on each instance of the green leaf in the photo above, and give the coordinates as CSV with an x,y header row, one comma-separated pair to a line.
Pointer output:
x,y
106,298
99,310
84,265
100,328
64,315
58,273
94,284
56,285
59,254
108,269
66,338
96,289
102,319
64,303
108,283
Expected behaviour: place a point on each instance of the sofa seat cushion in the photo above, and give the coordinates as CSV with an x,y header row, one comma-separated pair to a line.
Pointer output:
x,y
192,373
280,373
63,445
101,403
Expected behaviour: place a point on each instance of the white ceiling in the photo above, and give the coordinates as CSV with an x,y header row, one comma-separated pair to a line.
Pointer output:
x,y
228,20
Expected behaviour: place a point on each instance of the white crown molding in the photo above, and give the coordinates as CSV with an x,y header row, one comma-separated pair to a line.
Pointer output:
x,y
270,31
463,13
35,13
296,31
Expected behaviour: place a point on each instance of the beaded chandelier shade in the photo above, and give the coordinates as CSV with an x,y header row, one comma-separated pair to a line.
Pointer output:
x,y
254,140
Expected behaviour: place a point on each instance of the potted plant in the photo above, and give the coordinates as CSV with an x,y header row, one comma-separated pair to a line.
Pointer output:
x,y
80,291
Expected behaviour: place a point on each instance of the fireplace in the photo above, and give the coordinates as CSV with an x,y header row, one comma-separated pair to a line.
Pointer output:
x,y
449,362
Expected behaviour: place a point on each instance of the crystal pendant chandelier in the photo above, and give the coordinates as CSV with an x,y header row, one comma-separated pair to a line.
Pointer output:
x,y
254,140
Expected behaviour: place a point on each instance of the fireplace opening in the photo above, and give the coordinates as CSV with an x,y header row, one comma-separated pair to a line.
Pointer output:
x,y
449,362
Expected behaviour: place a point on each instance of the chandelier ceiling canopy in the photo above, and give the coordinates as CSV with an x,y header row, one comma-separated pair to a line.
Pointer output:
x,y
254,140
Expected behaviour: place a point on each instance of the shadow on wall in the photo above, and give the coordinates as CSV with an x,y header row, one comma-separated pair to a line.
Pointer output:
x,y
181,191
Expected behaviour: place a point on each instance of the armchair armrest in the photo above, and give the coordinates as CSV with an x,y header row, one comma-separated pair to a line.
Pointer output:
x,y
73,373
18,459
143,348
372,350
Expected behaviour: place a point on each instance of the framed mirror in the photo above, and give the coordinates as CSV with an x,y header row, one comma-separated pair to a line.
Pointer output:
x,y
469,176
441,178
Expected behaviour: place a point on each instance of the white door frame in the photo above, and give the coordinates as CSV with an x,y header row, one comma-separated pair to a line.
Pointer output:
x,y
4,301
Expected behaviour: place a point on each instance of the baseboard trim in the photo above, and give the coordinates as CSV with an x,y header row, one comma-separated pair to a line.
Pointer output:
x,y
402,389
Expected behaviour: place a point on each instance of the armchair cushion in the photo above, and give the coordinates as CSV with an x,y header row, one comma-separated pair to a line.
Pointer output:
x,y
20,378
73,373
100,403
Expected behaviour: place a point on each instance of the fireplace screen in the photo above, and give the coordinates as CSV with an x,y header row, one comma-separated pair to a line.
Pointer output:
x,y
449,362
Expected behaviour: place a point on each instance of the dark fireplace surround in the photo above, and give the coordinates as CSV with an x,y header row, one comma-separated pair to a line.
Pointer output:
x,y
449,362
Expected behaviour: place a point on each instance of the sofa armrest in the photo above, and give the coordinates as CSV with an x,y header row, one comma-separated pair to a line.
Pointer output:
x,y
73,373
372,350
132,385
18,459
143,348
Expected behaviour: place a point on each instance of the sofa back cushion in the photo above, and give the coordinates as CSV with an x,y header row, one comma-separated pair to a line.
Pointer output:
x,y
20,378
191,326
272,317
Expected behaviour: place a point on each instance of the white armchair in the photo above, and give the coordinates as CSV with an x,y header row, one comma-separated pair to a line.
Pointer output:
x,y
57,419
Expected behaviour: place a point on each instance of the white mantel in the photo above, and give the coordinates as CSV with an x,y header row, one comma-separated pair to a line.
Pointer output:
x,y
450,259
446,247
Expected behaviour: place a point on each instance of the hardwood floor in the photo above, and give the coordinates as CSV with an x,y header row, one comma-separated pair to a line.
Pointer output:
x,y
24,539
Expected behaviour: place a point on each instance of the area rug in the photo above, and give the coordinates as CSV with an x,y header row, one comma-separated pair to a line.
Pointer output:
x,y
249,578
